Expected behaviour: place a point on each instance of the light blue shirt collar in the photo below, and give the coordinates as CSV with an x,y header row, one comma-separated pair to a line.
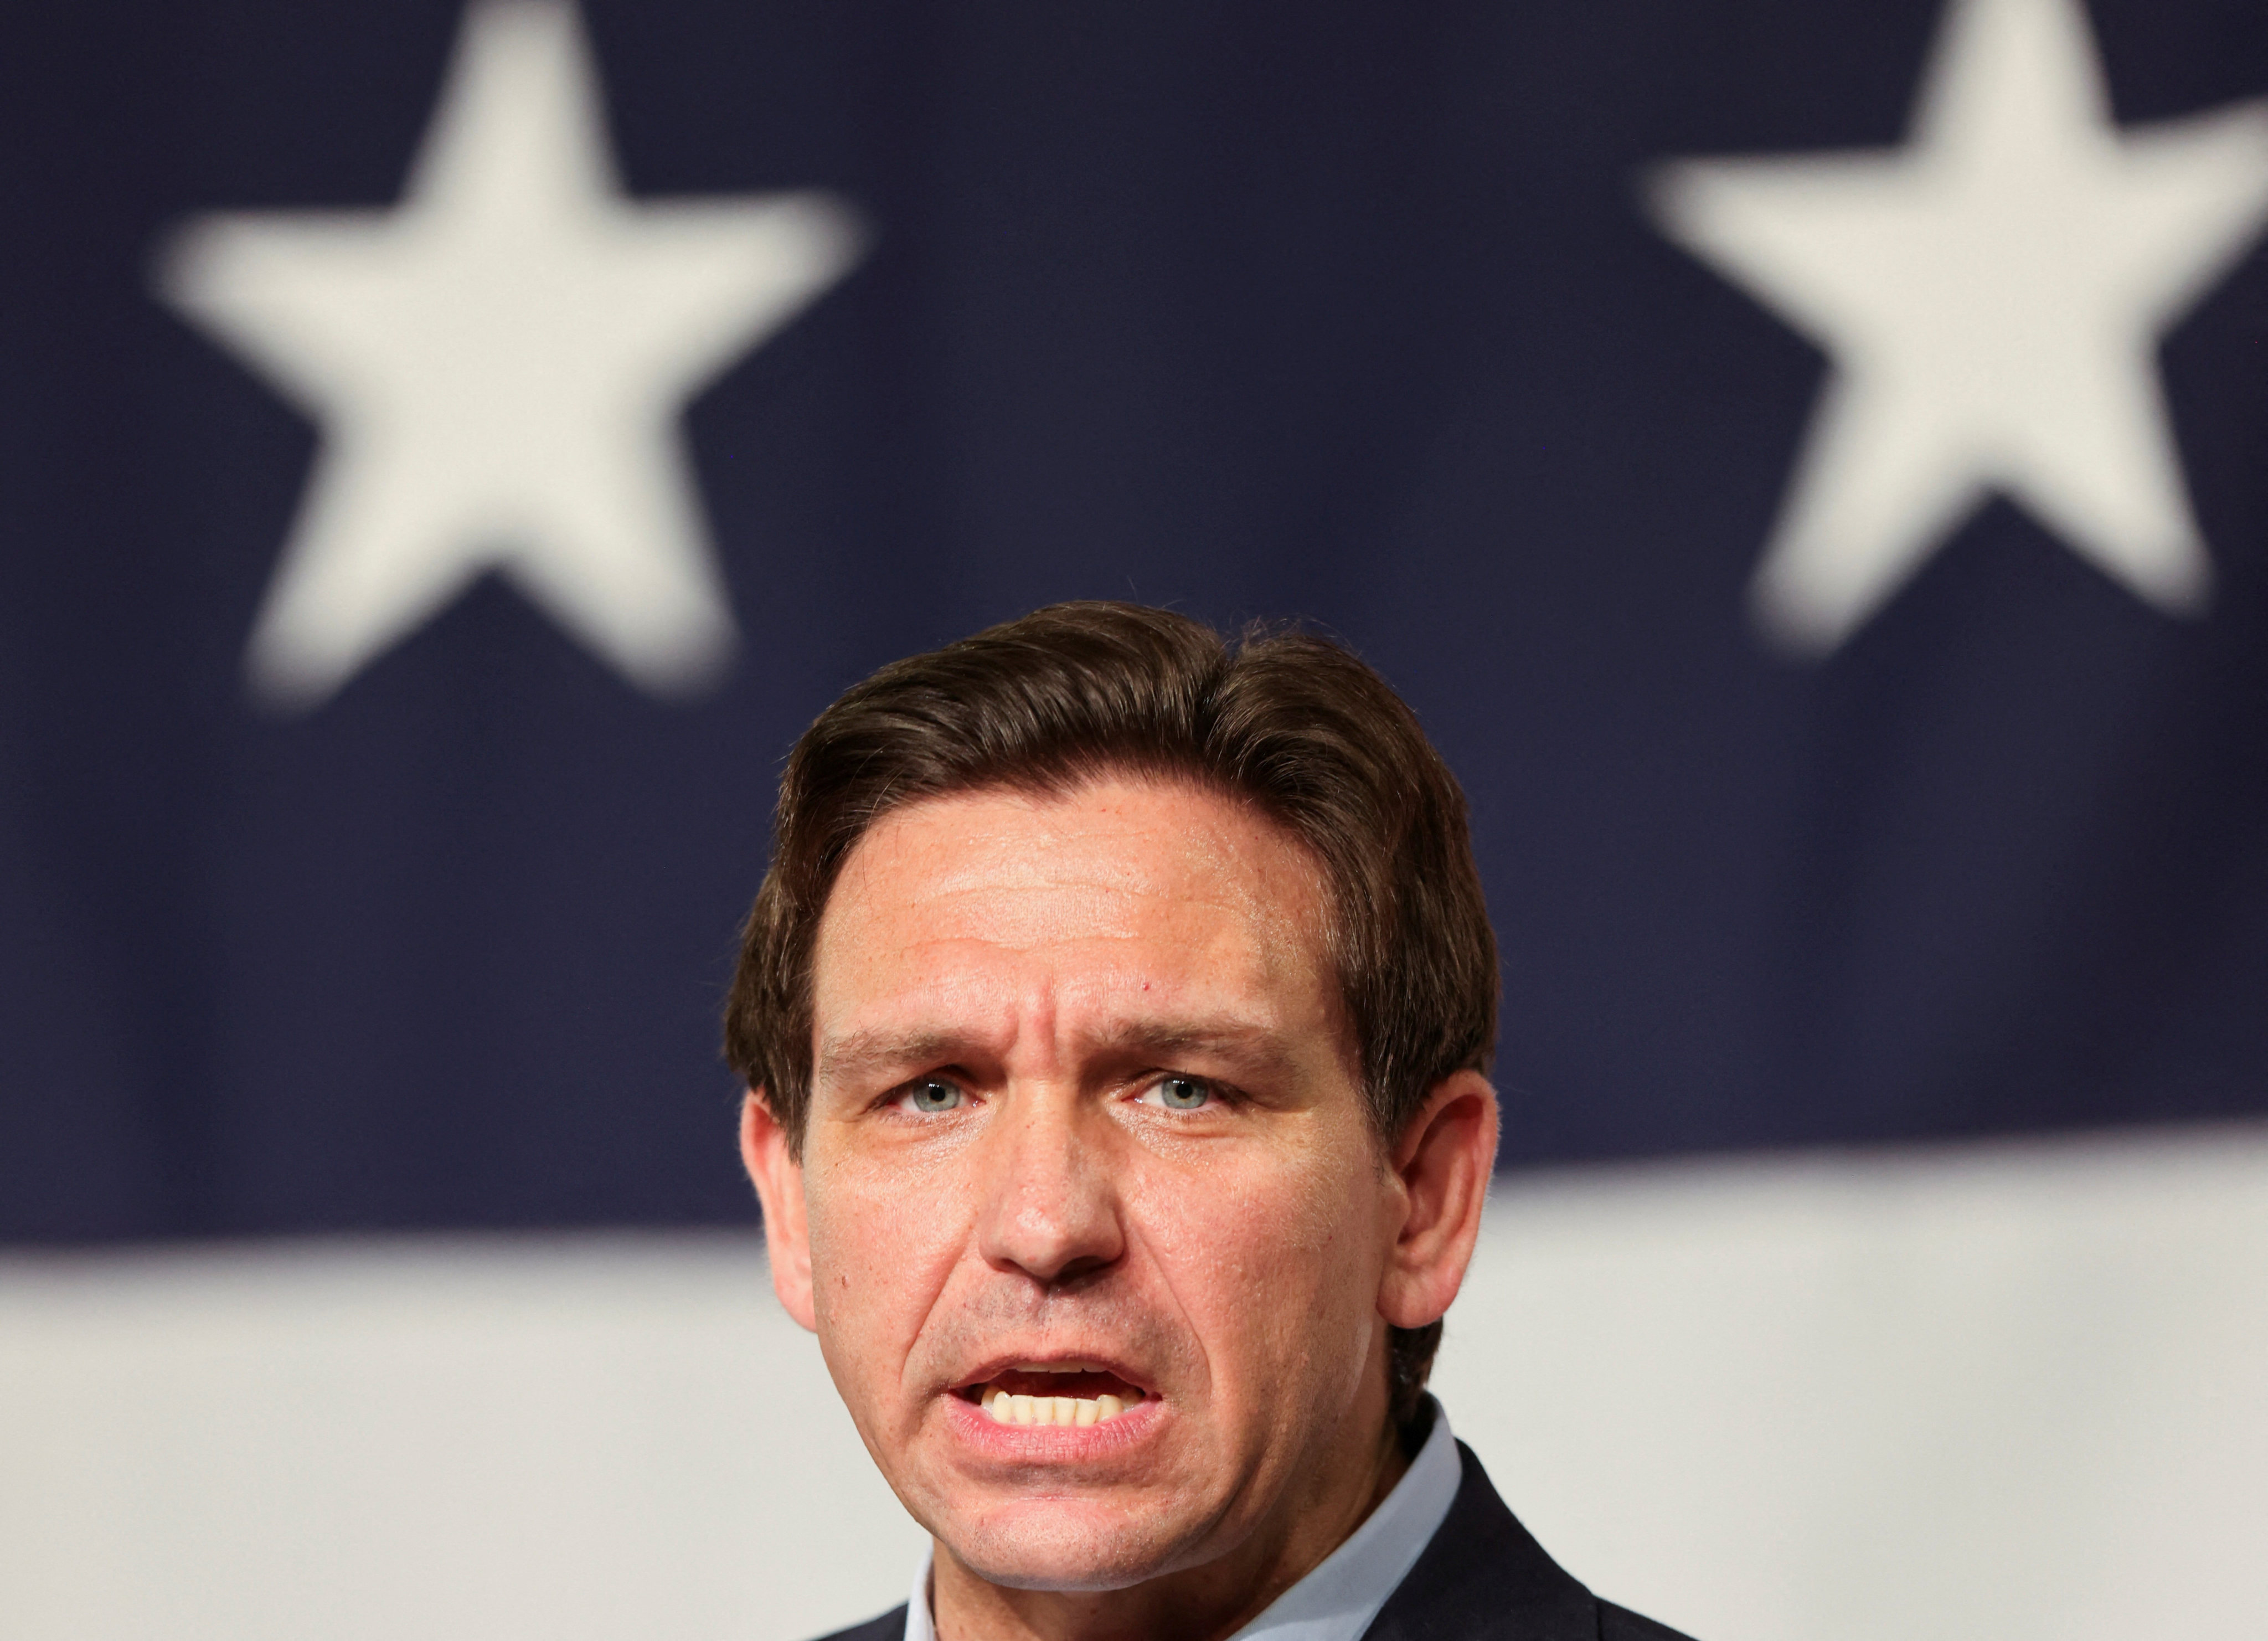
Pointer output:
x,y
1339,1597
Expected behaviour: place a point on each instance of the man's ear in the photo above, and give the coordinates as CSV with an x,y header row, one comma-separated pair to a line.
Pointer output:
x,y
1442,1163
778,1179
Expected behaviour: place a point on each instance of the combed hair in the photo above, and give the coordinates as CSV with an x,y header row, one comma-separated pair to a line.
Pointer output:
x,y
1072,694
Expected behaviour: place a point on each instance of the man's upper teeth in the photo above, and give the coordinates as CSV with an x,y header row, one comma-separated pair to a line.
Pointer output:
x,y
1007,1409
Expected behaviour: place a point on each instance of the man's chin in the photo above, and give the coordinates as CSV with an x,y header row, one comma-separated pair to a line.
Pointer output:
x,y
1065,1545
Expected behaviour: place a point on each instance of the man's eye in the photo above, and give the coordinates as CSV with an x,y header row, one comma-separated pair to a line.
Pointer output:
x,y
1181,1093
930,1097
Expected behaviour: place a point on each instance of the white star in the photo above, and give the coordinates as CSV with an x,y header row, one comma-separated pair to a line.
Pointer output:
x,y
1992,296
498,364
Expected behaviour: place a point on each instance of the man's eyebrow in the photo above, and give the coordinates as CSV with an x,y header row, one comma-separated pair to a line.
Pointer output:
x,y
1250,1048
856,1055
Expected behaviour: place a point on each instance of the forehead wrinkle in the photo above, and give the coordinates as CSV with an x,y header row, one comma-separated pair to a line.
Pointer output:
x,y
939,1029
947,1012
1049,910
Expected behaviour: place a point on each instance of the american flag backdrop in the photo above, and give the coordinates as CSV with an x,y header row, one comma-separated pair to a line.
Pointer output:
x,y
1807,464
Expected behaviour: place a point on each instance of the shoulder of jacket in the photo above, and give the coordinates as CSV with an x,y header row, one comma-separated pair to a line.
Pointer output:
x,y
1619,1623
891,1626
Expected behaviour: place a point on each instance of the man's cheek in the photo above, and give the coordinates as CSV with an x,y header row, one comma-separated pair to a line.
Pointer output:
x,y
1301,1269
848,1291
881,1267
1242,1254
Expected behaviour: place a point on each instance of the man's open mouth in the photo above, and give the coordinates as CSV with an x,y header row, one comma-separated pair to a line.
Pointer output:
x,y
1054,1393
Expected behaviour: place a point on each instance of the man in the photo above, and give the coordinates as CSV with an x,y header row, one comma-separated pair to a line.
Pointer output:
x,y
1115,1014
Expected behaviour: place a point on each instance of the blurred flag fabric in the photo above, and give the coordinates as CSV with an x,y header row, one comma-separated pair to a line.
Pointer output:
x,y
1804,463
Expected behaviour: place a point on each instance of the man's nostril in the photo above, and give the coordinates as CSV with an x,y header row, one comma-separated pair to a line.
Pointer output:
x,y
1077,1272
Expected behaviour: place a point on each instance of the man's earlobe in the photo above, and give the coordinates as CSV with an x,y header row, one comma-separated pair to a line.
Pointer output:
x,y
1443,1163
778,1179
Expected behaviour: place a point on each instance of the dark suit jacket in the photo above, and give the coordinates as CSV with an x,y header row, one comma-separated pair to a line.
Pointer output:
x,y
1482,1579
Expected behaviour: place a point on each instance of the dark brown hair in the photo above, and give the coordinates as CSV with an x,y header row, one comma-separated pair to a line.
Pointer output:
x,y
1290,723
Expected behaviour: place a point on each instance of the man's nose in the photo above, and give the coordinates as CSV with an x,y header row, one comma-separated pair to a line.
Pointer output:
x,y
1050,1203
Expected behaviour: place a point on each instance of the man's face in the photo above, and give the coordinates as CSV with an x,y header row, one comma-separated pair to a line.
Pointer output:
x,y
1083,1122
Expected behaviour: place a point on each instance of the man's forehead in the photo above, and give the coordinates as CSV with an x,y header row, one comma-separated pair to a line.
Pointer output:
x,y
1121,854
1124,913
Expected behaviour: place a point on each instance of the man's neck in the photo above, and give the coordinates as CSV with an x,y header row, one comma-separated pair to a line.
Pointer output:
x,y
1208,1602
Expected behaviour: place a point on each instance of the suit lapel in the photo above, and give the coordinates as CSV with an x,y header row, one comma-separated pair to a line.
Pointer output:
x,y
1484,1579
891,1626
